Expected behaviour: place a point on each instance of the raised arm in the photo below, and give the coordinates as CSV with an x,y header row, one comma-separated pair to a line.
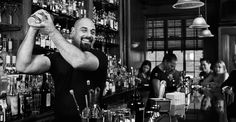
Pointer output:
x,y
72,54
28,63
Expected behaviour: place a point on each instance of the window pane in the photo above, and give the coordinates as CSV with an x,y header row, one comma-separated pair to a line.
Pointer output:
x,y
159,45
149,45
194,44
159,23
150,56
159,33
149,33
149,24
159,55
190,32
174,44
155,57
193,61
174,23
174,32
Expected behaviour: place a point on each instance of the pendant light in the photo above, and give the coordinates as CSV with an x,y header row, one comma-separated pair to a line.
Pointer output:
x,y
199,22
205,32
188,4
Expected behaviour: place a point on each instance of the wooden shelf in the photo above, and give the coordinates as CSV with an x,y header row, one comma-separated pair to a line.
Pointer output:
x,y
9,27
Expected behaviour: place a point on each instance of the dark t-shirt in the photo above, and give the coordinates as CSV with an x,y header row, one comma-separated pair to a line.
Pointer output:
x,y
204,75
66,78
157,73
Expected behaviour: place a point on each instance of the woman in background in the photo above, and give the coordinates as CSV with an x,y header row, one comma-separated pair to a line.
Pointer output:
x,y
144,72
144,77
214,98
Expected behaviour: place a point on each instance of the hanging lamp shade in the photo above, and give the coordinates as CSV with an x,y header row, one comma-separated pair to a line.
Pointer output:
x,y
187,4
199,22
205,33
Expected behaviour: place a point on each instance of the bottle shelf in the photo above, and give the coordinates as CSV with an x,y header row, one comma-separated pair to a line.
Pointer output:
x,y
103,4
106,29
11,1
55,14
9,27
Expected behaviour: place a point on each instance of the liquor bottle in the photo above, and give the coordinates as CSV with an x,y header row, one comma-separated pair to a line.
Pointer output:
x,y
137,106
8,66
13,65
9,57
43,40
45,94
12,97
1,114
0,41
4,53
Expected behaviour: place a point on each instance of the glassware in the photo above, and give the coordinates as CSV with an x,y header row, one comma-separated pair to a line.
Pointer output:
x,y
3,8
12,11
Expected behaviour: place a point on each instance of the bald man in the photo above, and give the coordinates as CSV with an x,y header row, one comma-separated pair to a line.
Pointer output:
x,y
71,67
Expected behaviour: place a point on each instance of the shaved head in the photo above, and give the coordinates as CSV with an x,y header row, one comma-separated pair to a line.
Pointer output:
x,y
83,20
83,33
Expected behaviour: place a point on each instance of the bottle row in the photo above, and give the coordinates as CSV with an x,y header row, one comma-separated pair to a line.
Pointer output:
x,y
108,19
7,12
119,79
115,2
72,8
25,95
7,58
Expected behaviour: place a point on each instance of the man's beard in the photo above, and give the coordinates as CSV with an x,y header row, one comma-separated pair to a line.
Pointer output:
x,y
86,46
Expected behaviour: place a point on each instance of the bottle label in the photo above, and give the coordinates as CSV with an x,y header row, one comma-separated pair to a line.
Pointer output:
x,y
48,100
141,109
13,100
1,118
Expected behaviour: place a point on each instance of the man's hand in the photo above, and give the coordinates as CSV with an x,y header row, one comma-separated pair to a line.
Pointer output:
x,y
43,22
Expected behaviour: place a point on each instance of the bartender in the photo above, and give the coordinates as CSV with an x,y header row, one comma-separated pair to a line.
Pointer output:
x,y
164,74
71,67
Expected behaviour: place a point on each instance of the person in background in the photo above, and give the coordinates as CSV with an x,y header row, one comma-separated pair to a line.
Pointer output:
x,y
71,67
163,72
144,76
205,67
213,92
144,72
229,89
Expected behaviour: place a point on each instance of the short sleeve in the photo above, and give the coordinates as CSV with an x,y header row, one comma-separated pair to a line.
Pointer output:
x,y
52,57
102,58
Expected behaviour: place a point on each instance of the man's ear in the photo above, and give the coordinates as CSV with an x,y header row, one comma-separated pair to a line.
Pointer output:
x,y
72,32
